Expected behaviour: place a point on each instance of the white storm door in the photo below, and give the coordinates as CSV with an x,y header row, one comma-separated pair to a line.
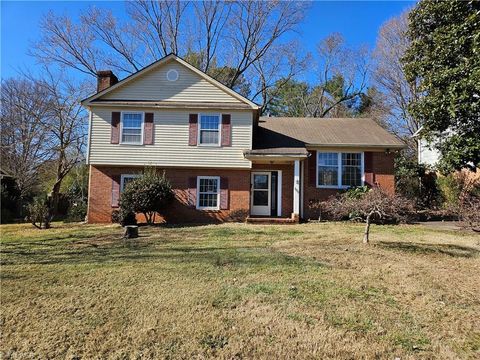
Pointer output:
x,y
261,194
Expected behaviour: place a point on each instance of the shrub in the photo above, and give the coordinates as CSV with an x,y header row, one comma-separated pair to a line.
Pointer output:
x,y
38,212
469,213
373,205
148,194
123,217
457,186
357,192
416,182
77,212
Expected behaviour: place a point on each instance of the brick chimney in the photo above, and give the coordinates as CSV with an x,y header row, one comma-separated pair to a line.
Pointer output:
x,y
105,79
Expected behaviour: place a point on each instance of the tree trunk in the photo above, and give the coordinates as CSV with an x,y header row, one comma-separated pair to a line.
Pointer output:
x,y
367,229
52,203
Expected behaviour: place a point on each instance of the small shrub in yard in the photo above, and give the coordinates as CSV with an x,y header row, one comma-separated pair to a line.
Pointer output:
x,y
38,212
148,194
374,205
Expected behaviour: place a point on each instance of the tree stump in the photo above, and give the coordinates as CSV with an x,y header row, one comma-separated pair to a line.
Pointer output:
x,y
131,232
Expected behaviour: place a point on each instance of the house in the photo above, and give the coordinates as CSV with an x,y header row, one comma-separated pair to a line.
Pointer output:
x,y
426,151
224,161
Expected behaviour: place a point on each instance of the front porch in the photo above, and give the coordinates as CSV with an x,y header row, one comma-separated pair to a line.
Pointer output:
x,y
276,188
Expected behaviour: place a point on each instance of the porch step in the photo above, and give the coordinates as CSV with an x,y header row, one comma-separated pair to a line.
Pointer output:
x,y
270,220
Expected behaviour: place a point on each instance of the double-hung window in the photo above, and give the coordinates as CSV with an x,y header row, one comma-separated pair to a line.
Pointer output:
x,y
351,169
132,128
339,170
209,130
208,192
125,179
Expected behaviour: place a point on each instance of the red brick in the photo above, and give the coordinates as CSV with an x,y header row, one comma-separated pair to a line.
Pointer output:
x,y
383,176
100,209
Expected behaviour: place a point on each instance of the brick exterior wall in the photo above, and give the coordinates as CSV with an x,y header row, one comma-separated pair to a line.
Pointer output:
x,y
382,173
100,195
100,190
287,184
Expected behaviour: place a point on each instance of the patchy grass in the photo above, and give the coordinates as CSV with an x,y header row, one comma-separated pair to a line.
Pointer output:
x,y
239,291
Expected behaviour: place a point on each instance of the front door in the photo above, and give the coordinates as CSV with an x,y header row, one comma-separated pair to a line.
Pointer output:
x,y
261,194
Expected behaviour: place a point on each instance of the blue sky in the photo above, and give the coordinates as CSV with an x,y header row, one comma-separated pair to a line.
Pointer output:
x,y
358,21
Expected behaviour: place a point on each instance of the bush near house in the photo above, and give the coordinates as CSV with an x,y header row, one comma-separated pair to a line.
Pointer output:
x,y
149,194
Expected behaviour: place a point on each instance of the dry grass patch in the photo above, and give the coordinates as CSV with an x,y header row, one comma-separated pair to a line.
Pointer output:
x,y
239,291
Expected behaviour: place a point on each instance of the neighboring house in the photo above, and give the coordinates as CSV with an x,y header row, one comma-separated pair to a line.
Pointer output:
x,y
427,153
224,162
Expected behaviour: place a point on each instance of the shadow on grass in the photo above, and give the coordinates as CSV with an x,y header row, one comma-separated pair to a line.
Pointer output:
x,y
127,252
446,249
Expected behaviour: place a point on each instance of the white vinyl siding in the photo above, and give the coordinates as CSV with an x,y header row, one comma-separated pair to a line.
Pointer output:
x,y
154,85
208,192
170,147
338,170
427,154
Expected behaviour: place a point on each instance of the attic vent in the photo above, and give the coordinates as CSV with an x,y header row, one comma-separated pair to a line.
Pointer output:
x,y
172,75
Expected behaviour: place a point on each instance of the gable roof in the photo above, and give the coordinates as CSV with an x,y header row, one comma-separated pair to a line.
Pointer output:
x,y
169,58
282,135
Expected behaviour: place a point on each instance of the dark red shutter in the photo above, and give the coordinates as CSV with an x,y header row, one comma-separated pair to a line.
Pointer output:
x,y
192,129
115,190
312,168
224,195
368,168
148,129
192,192
115,136
226,130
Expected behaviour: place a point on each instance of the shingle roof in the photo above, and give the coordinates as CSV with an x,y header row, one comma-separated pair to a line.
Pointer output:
x,y
290,135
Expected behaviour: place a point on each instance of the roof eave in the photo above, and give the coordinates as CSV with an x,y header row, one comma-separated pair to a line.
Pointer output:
x,y
379,146
172,105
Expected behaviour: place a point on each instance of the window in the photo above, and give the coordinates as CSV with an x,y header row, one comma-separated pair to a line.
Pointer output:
x,y
327,169
125,179
339,170
209,133
351,169
132,128
208,192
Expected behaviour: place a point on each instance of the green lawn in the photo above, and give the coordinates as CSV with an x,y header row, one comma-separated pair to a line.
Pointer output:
x,y
239,291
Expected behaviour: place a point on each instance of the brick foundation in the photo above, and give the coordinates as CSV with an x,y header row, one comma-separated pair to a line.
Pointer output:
x,y
100,195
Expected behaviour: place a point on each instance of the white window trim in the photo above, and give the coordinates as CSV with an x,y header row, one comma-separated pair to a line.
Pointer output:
x,y
218,193
127,176
142,127
219,129
339,169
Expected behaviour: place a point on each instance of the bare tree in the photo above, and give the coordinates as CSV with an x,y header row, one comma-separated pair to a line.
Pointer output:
x,y
276,69
373,205
341,82
342,76
237,37
158,24
213,16
24,137
66,125
389,78
67,44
